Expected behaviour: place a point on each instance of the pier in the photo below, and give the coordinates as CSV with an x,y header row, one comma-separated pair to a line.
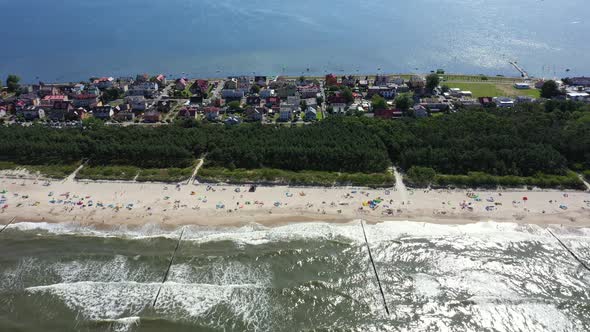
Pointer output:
x,y
523,72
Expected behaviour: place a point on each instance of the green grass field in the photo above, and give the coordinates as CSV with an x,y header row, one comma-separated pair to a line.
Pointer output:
x,y
492,89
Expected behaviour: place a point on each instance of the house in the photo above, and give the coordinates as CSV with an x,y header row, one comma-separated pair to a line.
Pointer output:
x,y
539,84
31,113
142,78
285,114
233,120
339,108
48,91
260,80
578,96
30,99
465,101
103,112
420,111
387,92
79,113
104,82
180,84
146,89
92,90
188,112
311,114
524,99
390,113
349,81
211,113
273,101
336,99
309,91
201,86
254,114
486,101
48,100
232,94
286,90
266,93
161,80
381,80
417,82
455,92
294,100
331,79
231,84
580,81
59,110
124,112
398,80
137,103
522,86
196,98
152,116
244,83
86,100
253,100
311,102
164,106
504,102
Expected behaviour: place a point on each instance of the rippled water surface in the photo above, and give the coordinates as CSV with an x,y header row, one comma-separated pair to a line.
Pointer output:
x,y
312,276
74,40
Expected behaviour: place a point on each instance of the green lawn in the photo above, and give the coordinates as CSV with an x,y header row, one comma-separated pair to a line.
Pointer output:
x,y
490,89
320,115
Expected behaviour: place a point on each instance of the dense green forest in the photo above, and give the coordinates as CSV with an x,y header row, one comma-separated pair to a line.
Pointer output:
x,y
530,139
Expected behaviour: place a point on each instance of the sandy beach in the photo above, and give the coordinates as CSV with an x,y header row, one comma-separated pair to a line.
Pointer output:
x,y
170,205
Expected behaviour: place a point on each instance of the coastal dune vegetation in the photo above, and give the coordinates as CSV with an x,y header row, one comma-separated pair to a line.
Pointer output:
x,y
532,144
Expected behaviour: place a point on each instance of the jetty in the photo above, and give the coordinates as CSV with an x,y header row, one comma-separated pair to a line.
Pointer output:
x,y
523,72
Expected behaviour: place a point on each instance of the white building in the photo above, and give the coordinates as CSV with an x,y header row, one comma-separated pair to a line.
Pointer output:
x,y
504,102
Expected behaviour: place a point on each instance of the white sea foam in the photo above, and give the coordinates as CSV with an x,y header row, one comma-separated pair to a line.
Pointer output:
x,y
145,231
116,300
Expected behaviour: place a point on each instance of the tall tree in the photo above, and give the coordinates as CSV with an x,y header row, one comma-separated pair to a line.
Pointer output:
x,y
432,81
347,94
404,102
378,102
12,83
550,89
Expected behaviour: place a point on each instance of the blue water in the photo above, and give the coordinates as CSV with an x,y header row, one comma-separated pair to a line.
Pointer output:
x,y
73,40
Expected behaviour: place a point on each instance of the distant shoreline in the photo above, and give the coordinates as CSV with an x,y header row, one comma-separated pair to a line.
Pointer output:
x,y
294,77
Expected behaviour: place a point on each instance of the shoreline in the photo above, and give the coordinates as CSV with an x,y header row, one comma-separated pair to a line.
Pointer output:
x,y
104,204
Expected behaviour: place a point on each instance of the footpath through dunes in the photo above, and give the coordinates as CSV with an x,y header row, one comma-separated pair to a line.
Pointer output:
x,y
494,276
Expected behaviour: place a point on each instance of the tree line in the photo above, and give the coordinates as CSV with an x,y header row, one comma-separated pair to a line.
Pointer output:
x,y
529,139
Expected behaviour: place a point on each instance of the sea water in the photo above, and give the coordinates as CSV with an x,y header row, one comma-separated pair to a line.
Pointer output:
x,y
70,40
306,276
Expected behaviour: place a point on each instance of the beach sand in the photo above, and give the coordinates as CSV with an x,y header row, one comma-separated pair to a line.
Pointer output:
x,y
169,205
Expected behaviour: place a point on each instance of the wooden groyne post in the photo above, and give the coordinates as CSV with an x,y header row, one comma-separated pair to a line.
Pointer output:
x,y
374,268
169,266
569,250
9,223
